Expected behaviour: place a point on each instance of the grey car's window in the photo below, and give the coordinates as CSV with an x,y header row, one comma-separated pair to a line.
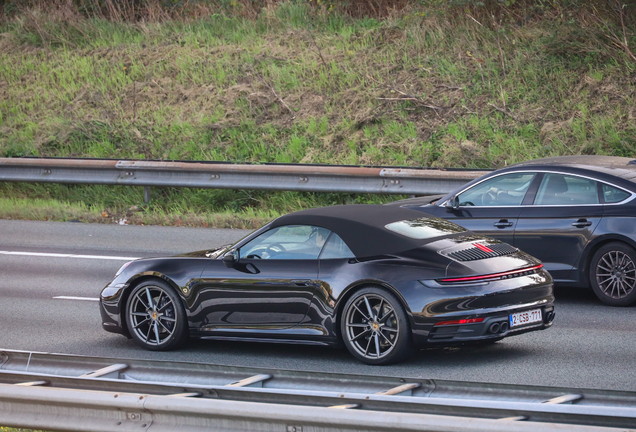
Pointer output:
x,y
560,189
336,248
612,194
424,228
292,242
503,190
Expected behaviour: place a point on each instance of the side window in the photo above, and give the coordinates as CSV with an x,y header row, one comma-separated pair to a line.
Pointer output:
x,y
613,195
290,242
336,248
504,190
559,189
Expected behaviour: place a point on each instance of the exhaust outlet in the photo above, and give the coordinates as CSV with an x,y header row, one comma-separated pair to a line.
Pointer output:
x,y
504,327
494,328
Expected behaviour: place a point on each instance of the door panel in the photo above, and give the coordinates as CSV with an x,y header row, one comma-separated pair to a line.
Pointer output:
x,y
492,206
557,236
256,293
560,224
497,222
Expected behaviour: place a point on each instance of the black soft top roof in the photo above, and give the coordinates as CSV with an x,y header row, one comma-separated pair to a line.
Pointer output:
x,y
361,226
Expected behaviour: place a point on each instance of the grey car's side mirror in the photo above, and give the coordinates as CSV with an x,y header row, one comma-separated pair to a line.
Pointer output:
x,y
453,203
230,259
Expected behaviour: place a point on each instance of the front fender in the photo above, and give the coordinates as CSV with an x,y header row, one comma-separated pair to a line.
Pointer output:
x,y
114,297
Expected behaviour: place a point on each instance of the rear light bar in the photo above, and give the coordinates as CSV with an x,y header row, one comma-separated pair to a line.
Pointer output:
x,y
503,275
461,321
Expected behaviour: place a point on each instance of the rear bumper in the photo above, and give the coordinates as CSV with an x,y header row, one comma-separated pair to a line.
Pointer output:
x,y
493,302
493,327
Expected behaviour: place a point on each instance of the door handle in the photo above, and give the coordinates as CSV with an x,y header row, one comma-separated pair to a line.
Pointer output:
x,y
301,282
503,223
582,223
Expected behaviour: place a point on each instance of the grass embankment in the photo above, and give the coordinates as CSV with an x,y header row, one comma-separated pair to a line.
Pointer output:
x,y
437,87
10,429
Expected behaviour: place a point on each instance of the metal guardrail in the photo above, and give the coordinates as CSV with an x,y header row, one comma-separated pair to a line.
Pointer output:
x,y
215,175
54,391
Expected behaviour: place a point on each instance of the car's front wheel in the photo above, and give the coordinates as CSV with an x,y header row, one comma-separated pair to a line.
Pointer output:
x,y
155,316
375,328
613,274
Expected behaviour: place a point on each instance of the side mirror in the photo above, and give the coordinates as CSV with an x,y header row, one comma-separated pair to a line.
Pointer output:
x,y
230,259
453,203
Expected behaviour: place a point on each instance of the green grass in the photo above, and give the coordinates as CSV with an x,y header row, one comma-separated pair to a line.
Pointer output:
x,y
424,87
10,429
169,206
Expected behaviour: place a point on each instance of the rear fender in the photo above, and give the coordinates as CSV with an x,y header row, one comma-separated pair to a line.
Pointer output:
x,y
586,257
351,289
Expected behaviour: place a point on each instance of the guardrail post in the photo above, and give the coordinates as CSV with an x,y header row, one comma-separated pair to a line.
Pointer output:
x,y
147,194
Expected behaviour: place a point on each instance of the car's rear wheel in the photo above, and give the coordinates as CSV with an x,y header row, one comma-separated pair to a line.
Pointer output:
x,y
613,274
375,328
155,316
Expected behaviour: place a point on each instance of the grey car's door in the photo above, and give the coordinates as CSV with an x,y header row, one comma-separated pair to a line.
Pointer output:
x,y
560,223
491,207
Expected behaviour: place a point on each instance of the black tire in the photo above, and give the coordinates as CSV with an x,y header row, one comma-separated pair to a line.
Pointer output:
x,y
155,316
613,274
375,328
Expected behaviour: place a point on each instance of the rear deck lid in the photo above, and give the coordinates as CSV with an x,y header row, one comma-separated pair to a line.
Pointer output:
x,y
476,255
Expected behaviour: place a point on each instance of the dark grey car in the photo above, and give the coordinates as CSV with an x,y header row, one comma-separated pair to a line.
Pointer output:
x,y
575,213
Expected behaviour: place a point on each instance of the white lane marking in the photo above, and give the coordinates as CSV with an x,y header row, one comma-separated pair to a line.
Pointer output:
x,y
54,255
76,298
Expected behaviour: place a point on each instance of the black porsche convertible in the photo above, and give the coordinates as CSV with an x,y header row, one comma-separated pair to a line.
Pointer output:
x,y
381,280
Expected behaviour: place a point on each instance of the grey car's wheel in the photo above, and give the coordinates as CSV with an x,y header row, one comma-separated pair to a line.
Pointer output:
x,y
155,316
613,274
375,328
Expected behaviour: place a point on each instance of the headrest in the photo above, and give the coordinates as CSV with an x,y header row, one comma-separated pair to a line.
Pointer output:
x,y
556,184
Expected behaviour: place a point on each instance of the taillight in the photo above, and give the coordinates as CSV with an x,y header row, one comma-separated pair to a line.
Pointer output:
x,y
504,275
461,321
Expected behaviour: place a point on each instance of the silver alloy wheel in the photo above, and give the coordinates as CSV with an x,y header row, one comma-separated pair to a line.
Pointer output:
x,y
372,327
152,315
616,274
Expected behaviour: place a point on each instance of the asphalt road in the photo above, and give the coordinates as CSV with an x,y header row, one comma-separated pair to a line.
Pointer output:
x,y
589,346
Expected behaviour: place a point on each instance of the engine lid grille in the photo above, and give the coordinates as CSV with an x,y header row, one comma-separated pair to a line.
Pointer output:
x,y
482,251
